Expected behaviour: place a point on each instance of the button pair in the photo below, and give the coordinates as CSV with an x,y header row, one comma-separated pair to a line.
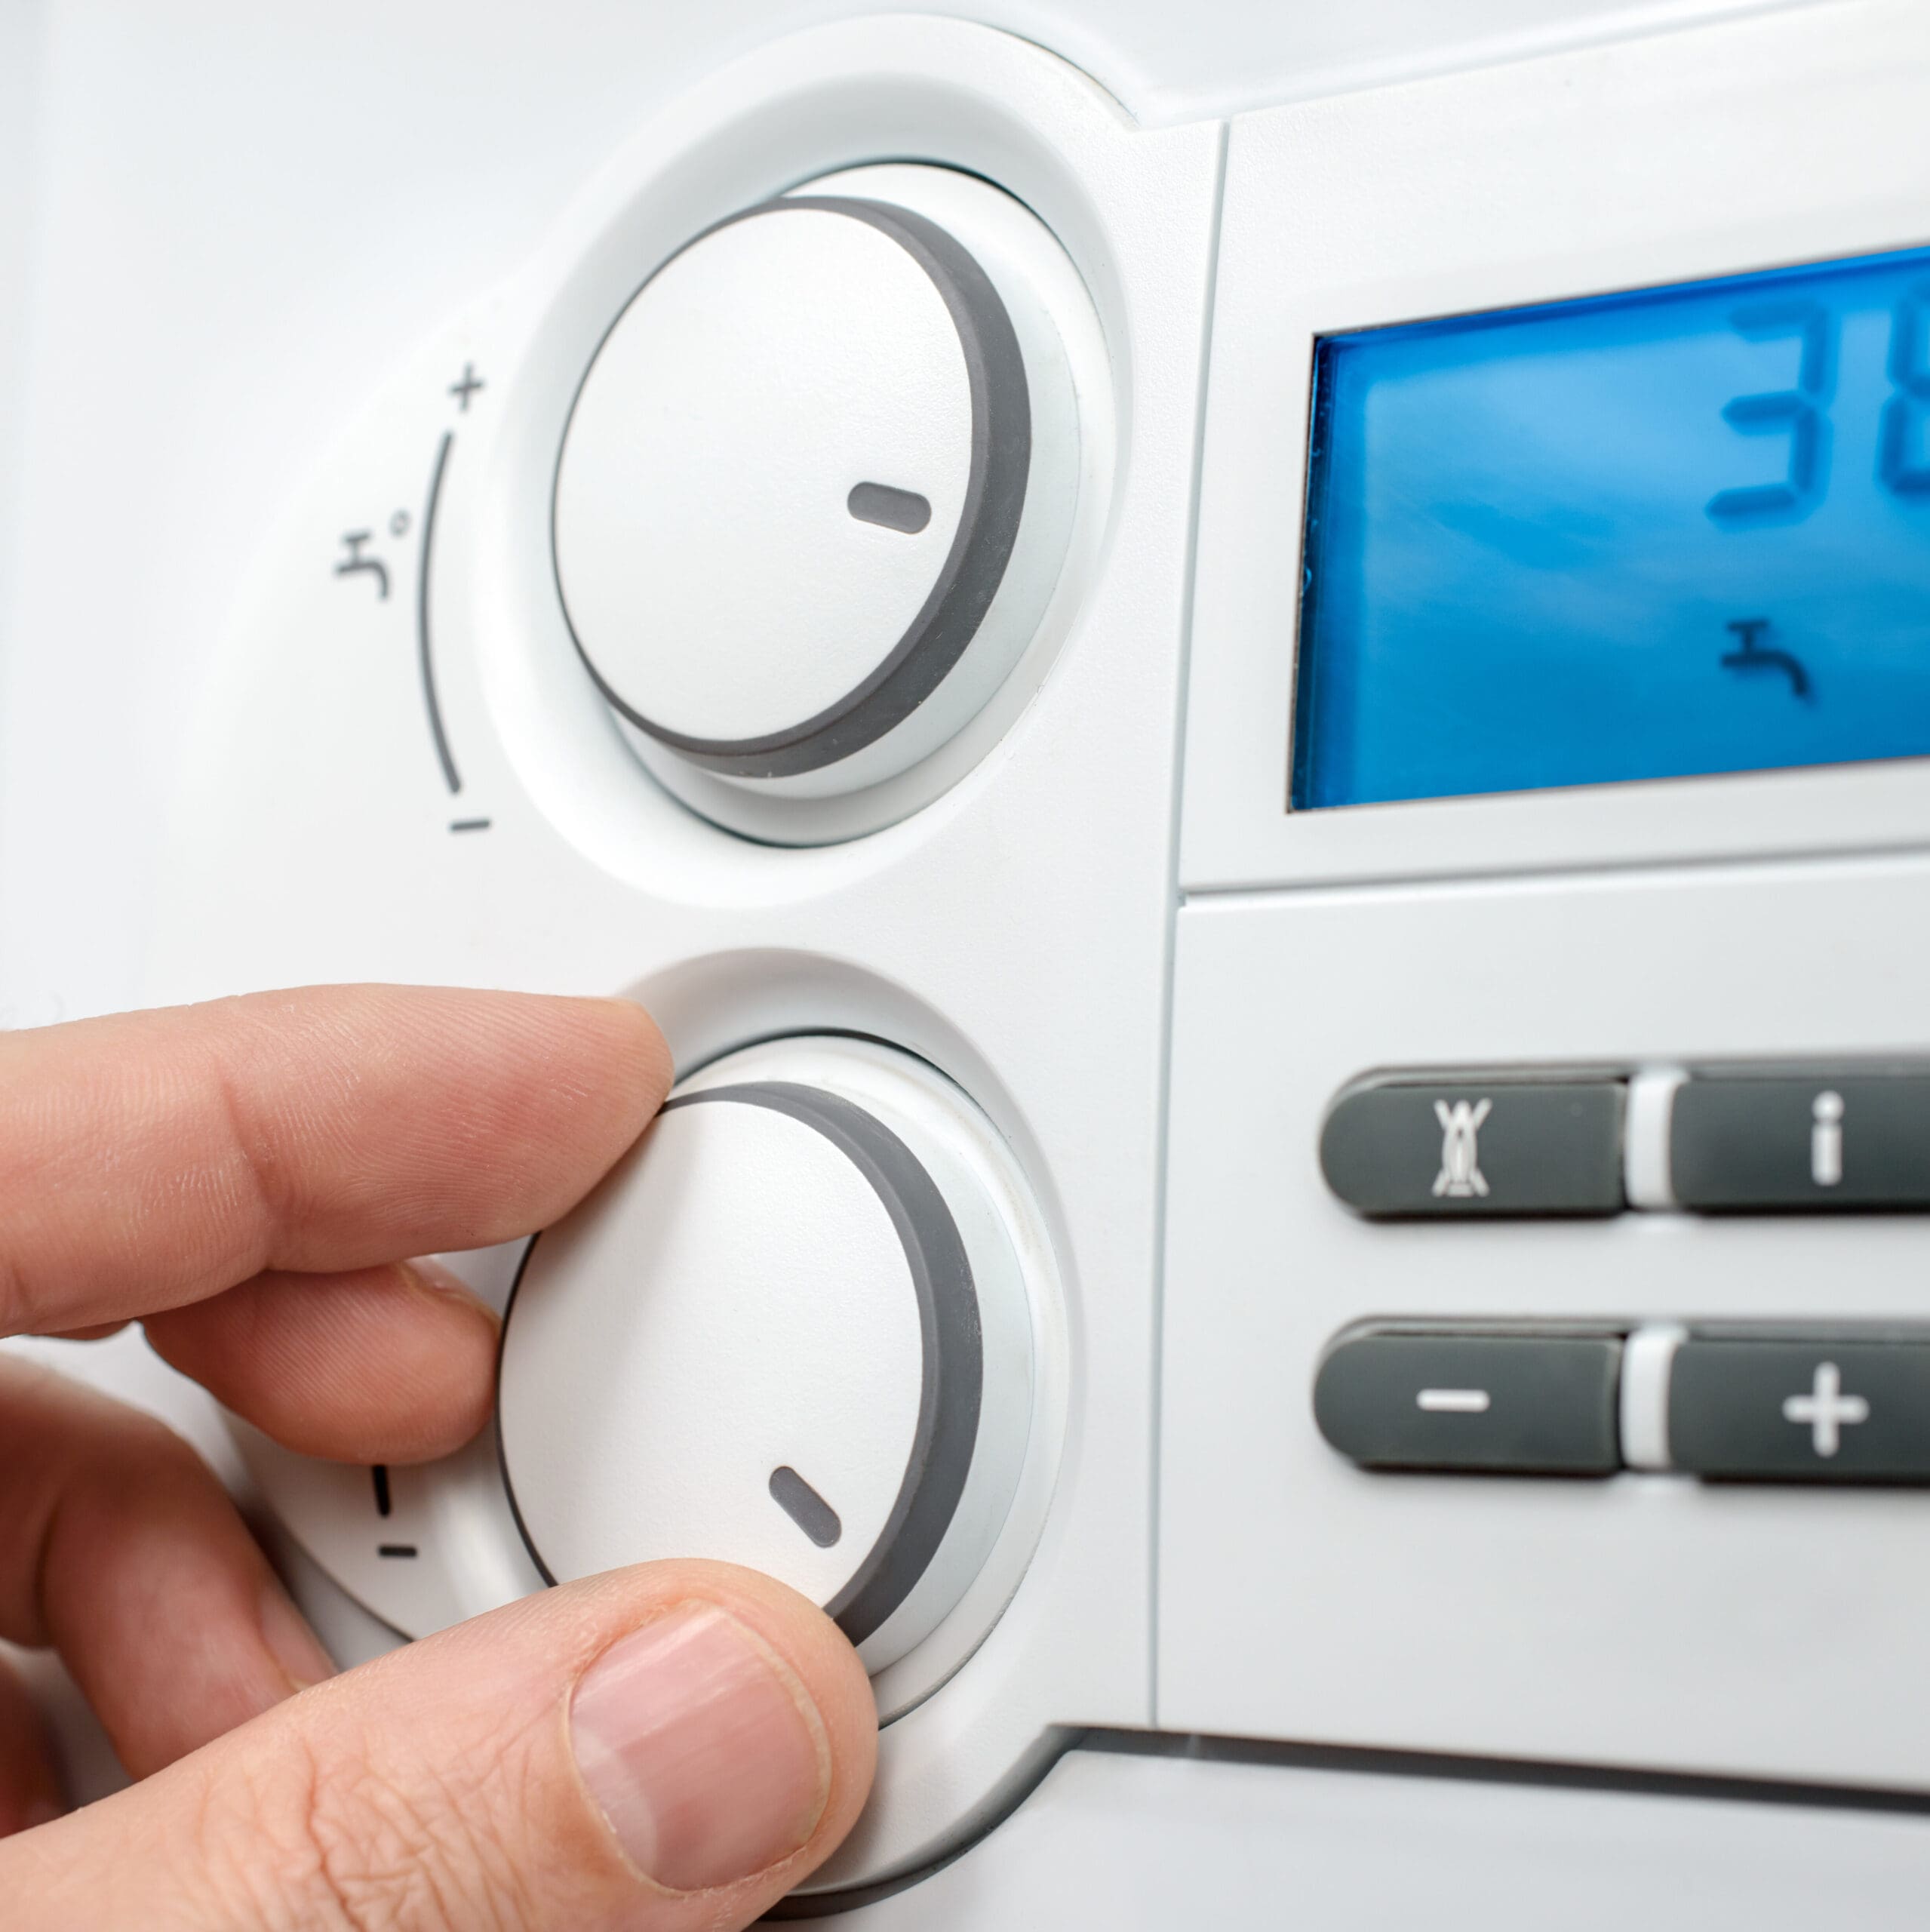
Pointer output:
x,y
1732,1141
1730,1402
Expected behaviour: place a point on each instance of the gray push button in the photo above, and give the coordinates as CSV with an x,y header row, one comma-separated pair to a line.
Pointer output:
x,y
1815,1411
1534,1404
1858,1141
1507,1147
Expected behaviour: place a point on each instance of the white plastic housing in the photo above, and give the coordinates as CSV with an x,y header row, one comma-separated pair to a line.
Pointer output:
x,y
540,852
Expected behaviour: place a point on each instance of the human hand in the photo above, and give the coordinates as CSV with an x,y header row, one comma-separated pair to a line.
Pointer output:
x,y
673,1745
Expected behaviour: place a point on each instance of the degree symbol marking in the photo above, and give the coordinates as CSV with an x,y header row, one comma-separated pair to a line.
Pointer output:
x,y
398,523
354,560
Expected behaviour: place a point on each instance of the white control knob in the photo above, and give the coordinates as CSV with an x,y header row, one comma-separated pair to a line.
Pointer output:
x,y
795,480
792,1330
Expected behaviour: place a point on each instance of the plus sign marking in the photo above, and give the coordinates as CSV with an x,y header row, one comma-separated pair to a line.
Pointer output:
x,y
1826,1409
467,387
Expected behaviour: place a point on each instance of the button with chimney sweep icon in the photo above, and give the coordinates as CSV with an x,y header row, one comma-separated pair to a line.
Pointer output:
x,y
1396,1145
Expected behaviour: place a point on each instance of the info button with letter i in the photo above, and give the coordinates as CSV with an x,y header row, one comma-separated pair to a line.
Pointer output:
x,y
1395,1145
1742,1142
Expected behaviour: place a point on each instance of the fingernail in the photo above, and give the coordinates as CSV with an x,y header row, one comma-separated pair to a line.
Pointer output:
x,y
290,1642
704,1751
439,1280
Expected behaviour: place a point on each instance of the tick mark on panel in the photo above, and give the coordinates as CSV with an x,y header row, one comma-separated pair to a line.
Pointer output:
x,y
395,1549
468,825
805,1506
451,777
383,1503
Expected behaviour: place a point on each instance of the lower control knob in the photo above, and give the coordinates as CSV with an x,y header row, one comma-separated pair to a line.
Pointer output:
x,y
791,1330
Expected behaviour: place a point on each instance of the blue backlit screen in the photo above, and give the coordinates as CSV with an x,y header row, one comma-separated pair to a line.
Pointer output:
x,y
1682,530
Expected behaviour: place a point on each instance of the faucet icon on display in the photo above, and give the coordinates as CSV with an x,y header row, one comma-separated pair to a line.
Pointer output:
x,y
1749,655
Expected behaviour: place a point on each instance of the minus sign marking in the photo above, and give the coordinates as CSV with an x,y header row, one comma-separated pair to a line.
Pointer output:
x,y
468,825
395,1549
1453,1402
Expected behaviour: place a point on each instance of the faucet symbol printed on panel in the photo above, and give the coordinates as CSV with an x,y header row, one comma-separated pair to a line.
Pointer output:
x,y
1826,1139
1460,1178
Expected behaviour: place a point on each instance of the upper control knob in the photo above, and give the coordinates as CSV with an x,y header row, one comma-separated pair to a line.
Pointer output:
x,y
790,1331
796,478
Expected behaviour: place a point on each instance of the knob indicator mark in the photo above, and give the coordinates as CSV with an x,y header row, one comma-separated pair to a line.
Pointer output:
x,y
891,509
805,1506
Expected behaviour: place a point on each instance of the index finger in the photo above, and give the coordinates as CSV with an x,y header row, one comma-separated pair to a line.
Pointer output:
x,y
151,1159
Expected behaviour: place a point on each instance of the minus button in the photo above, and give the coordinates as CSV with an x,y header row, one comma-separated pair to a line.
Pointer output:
x,y
1437,1397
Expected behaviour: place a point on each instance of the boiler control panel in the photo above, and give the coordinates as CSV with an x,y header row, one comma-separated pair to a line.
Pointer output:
x,y
1269,771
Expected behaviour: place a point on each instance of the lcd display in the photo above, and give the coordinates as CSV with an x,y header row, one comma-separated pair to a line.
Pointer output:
x,y
1640,536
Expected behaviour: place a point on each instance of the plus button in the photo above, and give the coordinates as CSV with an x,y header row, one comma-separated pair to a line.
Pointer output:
x,y
1826,1409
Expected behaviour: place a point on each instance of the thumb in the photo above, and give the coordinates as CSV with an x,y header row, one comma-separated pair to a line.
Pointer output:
x,y
668,1747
